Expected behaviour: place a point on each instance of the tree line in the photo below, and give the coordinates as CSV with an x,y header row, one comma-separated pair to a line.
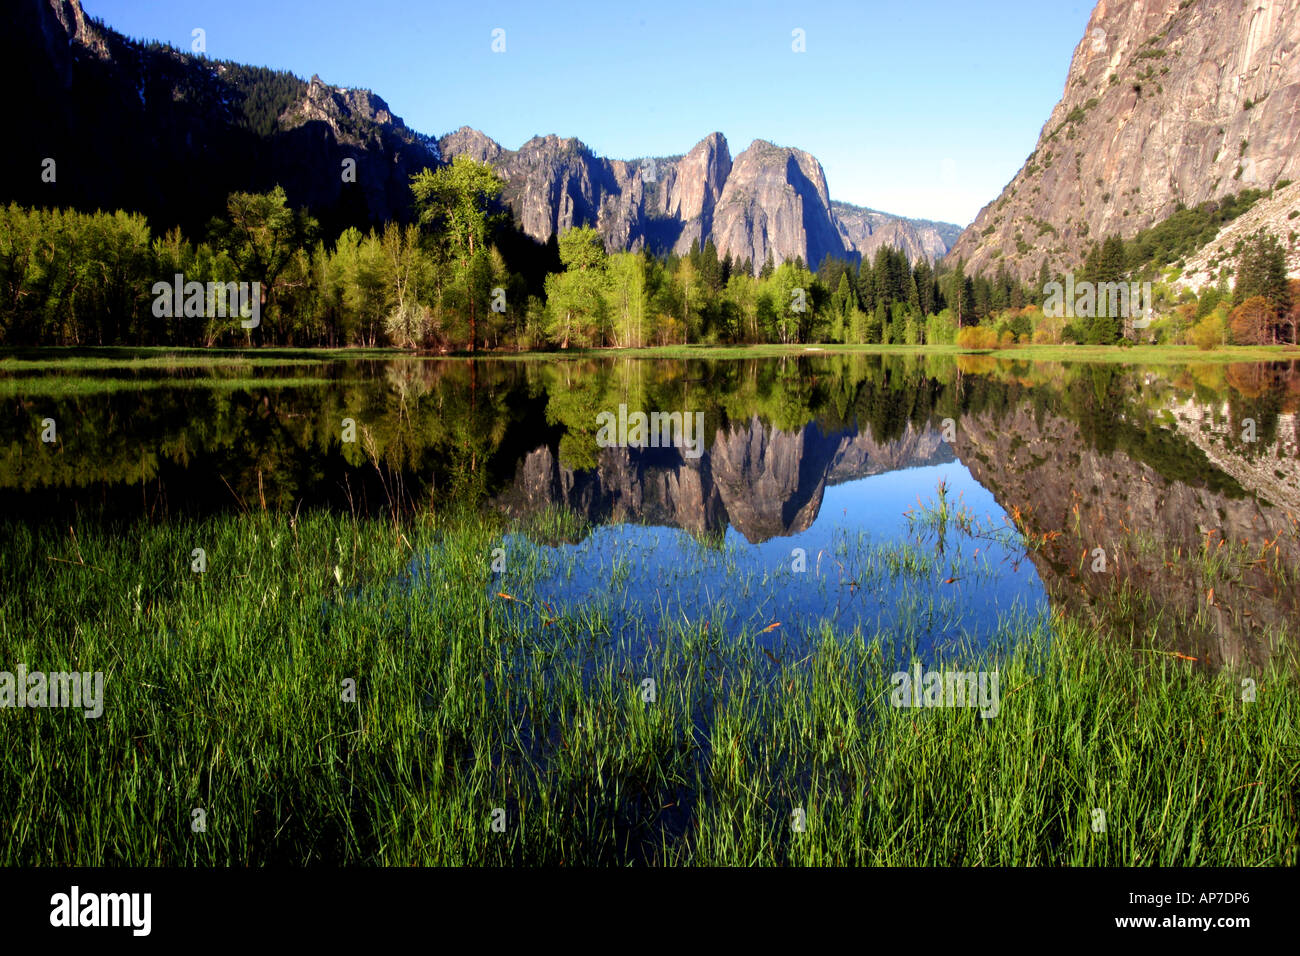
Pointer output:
x,y
459,278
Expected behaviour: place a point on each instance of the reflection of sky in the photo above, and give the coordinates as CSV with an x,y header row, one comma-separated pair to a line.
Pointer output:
x,y
634,574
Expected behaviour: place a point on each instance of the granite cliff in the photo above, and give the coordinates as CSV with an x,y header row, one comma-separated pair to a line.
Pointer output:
x,y
1167,102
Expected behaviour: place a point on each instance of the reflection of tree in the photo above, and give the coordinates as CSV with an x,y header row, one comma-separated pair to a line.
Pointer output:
x,y
574,399
458,428
1258,393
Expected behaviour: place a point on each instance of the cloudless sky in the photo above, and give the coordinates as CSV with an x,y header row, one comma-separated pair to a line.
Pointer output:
x,y
924,108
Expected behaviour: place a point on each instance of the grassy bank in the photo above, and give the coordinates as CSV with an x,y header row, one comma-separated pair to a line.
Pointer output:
x,y
224,693
1144,354
15,361
18,360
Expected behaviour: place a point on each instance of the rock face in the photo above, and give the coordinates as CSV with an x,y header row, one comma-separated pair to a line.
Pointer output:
x,y
761,480
1276,214
771,201
1166,102
776,203
683,194
331,124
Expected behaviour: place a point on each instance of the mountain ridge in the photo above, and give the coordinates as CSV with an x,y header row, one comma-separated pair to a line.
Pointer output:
x,y
769,199
199,129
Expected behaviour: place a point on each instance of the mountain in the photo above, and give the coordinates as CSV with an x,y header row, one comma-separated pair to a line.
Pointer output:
x,y
772,200
866,230
147,128
174,133
1166,103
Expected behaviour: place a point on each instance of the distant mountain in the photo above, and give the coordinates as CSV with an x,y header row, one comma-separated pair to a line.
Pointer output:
x,y
866,230
1165,103
148,128
770,200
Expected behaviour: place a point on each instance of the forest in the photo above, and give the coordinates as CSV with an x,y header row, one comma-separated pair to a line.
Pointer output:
x,y
460,277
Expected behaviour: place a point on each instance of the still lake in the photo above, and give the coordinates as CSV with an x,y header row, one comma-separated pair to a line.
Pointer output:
x,y
931,498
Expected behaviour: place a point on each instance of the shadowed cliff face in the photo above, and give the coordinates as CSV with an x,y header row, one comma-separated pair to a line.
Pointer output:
x,y
761,480
174,134
1041,468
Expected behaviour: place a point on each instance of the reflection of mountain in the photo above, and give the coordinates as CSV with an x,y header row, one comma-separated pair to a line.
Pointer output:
x,y
1273,476
1041,466
761,480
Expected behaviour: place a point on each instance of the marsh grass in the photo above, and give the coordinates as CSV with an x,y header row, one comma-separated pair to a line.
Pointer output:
x,y
51,358
224,693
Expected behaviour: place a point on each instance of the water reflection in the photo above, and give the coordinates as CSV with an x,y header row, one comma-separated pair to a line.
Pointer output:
x,y
1150,465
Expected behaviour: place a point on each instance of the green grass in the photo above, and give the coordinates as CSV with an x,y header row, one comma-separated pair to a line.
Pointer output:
x,y
1150,354
158,357
223,693
1138,354
69,386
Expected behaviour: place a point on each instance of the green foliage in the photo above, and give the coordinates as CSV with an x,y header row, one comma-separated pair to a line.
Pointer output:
x,y
1261,271
265,94
1185,231
575,296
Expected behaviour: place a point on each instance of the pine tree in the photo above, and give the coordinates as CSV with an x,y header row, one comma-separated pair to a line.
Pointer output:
x,y
710,268
923,276
1112,266
1261,271
867,285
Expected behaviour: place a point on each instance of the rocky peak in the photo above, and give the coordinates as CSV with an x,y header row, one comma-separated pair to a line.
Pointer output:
x,y
775,201
697,179
866,230
471,143
340,106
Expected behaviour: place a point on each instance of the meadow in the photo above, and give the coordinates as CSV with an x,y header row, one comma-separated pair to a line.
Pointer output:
x,y
225,693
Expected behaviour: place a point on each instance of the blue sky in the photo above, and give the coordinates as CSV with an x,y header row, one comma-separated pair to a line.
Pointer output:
x,y
924,108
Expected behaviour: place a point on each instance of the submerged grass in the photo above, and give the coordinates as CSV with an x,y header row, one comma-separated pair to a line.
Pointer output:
x,y
224,693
